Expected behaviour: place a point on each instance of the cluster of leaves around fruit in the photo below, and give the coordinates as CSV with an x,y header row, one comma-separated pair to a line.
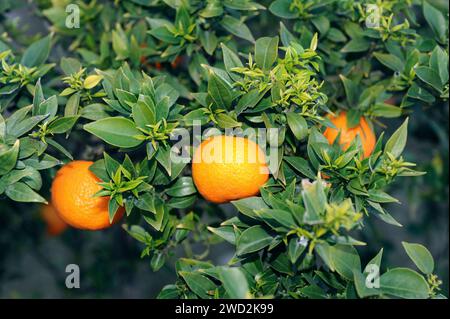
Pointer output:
x,y
291,242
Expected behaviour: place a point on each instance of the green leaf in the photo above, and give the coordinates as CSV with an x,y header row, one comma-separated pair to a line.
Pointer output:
x,y
322,24
237,27
219,91
182,202
282,9
162,33
381,197
184,186
38,97
420,93
21,192
26,125
226,121
377,259
156,219
209,41
282,217
60,148
386,217
62,124
391,61
113,206
439,63
28,175
138,233
252,239
234,282
286,37
356,45
72,105
386,110
231,60
324,251
345,260
421,257
297,124
8,157
95,111
436,20
212,9
70,65
46,162
336,35
158,260
352,90
120,44
404,283
429,76
2,129
397,141
196,115
248,205
143,114
301,165
295,249
315,201
266,52
199,284
48,107
225,232
163,158
37,53
117,131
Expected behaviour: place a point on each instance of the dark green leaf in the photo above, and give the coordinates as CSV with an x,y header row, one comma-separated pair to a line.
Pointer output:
x,y
117,131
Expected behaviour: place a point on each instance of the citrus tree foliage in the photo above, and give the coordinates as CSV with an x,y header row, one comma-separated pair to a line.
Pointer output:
x,y
137,71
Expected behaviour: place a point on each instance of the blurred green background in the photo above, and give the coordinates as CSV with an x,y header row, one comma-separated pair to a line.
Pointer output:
x,y
32,263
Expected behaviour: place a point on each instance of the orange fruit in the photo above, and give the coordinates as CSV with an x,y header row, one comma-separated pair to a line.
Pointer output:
x,y
55,225
176,63
347,136
73,192
226,168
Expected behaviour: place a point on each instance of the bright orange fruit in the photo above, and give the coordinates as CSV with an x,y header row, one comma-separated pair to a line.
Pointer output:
x,y
73,192
226,168
55,225
347,136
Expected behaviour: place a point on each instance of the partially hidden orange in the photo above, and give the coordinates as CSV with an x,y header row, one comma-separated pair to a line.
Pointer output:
x,y
348,134
55,224
73,191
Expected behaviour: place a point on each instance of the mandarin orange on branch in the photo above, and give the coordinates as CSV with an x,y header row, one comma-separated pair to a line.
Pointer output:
x,y
348,134
73,191
226,168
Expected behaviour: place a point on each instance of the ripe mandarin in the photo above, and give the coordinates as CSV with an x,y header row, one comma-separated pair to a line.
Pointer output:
x,y
347,136
226,168
73,192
